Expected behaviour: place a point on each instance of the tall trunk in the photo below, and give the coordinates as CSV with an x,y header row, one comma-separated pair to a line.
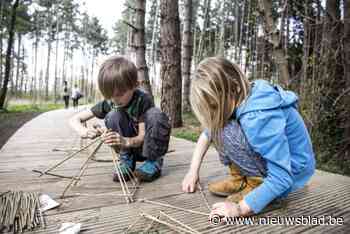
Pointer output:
x,y
346,57
47,75
221,49
187,53
237,20
171,61
247,50
274,38
92,93
35,77
306,49
56,82
203,32
18,62
49,48
140,46
153,55
8,54
41,83
22,73
1,44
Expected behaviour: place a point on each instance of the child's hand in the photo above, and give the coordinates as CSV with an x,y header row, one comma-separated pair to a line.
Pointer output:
x,y
114,139
189,182
90,133
228,209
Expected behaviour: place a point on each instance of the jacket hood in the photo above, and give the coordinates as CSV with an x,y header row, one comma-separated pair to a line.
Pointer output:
x,y
265,96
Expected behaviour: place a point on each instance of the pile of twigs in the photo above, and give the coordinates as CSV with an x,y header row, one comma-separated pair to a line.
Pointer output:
x,y
20,211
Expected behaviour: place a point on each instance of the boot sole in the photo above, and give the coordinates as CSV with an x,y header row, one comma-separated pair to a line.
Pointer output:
x,y
220,194
146,178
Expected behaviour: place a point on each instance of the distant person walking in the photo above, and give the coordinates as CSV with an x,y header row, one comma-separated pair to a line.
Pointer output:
x,y
65,94
76,95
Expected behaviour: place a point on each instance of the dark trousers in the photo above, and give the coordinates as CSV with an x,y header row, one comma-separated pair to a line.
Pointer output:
x,y
157,132
75,102
66,101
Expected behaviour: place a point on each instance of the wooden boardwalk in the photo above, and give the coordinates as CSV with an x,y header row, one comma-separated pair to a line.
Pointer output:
x,y
33,147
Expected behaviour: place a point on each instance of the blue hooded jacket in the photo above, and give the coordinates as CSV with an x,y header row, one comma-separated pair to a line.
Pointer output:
x,y
274,129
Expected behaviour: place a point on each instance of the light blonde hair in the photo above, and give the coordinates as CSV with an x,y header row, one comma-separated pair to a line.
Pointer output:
x,y
116,74
218,88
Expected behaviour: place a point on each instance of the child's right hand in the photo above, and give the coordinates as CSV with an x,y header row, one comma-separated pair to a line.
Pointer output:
x,y
189,183
90,133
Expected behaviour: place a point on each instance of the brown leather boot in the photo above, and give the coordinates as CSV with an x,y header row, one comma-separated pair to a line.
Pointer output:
x,y
251,182
230,185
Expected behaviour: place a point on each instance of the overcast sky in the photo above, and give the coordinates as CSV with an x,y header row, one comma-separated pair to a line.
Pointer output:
x,y
107,11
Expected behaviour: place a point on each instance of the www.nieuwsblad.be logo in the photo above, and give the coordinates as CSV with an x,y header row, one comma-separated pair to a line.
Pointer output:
x,y
270,220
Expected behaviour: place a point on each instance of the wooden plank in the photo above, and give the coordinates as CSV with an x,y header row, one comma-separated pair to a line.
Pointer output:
x,y
31,148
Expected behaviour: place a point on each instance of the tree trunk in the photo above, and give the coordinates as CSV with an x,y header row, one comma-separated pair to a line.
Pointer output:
x,y
221,49
237,19
187,53
92,93
47,75
18,63
8,54
22,73
203,32
35,76
140,46
56,82
171,61
1,44
274,38
346,57
153,55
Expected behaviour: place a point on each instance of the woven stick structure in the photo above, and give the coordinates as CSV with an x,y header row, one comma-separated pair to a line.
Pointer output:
x,y
128,191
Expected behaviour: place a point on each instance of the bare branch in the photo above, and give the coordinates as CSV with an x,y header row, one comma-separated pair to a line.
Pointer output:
x,y
130,25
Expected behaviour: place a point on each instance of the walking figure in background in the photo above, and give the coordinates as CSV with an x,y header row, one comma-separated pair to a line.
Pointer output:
x,y
65,94
76,95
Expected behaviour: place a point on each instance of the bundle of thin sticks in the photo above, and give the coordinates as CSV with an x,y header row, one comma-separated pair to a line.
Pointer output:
x,y
20,211
127,193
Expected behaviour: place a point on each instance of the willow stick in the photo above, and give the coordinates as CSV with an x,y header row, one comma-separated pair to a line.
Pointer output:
x,y
204,197
71,156
174,207
85,165
171,226
53,174
82,168
114,157
180,223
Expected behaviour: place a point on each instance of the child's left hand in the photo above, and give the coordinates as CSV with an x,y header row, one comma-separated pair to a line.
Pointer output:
x,y
228,209
114,139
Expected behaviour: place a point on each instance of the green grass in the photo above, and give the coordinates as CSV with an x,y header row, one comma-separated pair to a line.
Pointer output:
x,y
191,128
22,108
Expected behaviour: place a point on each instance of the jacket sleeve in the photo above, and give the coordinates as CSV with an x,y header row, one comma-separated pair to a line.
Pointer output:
x,y
265,131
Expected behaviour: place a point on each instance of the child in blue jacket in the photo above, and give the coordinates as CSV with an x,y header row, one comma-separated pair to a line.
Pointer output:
x,y
258,132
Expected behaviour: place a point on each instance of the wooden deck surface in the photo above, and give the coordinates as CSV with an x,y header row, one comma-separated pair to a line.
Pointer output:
x,y
33,147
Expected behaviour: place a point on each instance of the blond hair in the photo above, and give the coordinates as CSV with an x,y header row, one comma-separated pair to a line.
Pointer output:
x,y
218,88
116,74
